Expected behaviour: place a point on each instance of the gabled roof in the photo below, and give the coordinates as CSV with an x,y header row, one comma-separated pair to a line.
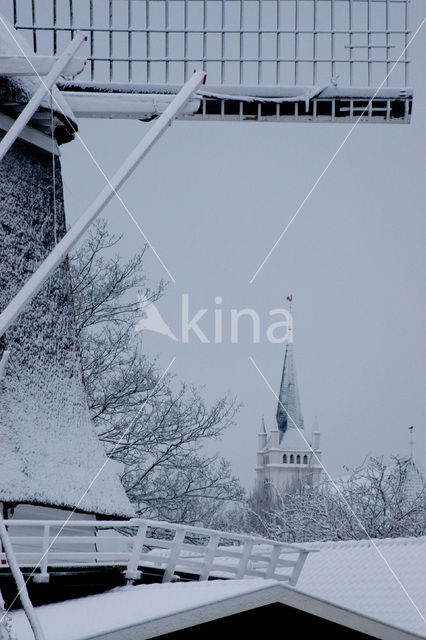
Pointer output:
x,y
148,611
384,579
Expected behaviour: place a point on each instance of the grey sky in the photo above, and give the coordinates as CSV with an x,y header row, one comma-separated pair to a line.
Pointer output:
x,y
214,197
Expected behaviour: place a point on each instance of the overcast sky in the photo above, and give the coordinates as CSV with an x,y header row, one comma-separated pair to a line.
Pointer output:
x,y
214,197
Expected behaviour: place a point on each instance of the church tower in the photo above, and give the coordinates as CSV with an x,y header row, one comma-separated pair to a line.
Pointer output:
x,y
286,456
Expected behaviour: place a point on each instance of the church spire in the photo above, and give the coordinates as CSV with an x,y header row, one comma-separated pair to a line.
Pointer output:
x,y
289,412
286,457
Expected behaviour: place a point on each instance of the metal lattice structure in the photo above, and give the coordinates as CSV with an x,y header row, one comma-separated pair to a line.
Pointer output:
x,y
304,59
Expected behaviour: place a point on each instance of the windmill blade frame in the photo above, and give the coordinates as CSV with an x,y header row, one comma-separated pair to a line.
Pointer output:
x,y
266,60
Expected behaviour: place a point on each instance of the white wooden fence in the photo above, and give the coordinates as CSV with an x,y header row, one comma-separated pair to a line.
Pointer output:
x,y
134,544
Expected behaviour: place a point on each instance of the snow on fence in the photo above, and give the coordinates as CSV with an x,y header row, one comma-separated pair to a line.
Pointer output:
x,y
135,544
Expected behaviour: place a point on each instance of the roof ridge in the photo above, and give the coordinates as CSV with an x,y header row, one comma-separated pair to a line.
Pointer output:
x,y
366,542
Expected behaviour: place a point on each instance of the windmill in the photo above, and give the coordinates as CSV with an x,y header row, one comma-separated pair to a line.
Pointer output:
x,y
258,60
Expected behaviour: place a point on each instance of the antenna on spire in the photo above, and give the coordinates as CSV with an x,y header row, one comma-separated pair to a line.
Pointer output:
x,y
411,430
290,320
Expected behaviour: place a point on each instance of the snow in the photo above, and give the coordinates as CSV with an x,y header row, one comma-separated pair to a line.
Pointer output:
x,y
293,440
351,575
91,104
12,43
50,452
357,575
32,534
413,481
128,606
236,92
354,575
259,564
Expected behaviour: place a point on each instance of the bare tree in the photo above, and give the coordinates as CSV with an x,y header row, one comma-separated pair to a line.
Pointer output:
x,y
389,499
5,622
154,426
377,500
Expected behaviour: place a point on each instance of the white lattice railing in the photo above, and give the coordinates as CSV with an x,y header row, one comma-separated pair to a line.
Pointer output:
x,y
135,544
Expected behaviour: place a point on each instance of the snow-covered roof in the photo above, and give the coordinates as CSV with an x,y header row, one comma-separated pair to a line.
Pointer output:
x,y
50,452
293,440
413,480
127,607
384,579
147,611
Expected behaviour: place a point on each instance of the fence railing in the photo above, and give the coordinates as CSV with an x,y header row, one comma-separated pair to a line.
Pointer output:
x,y
137,544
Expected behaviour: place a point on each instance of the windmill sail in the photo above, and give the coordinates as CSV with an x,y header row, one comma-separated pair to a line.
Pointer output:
x,y
280,60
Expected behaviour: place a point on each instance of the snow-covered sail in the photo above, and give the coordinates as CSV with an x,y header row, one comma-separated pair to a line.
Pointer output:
x,y
276,61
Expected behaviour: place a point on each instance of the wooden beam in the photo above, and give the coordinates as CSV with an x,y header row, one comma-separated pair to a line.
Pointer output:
x,y
30,134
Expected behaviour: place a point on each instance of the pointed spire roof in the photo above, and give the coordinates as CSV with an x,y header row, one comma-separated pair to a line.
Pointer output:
x,y
413,480
289,412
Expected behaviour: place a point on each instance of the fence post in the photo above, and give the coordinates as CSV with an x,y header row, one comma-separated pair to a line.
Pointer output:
x,y
209,557
242,566
298,568
43,576
20,582
275,554
174,555
132,573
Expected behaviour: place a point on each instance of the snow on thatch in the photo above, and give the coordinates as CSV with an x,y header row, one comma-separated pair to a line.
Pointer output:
x,y
18,90
49,450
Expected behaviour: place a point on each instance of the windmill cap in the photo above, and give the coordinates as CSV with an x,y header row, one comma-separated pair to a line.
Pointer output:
x,y
15,92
